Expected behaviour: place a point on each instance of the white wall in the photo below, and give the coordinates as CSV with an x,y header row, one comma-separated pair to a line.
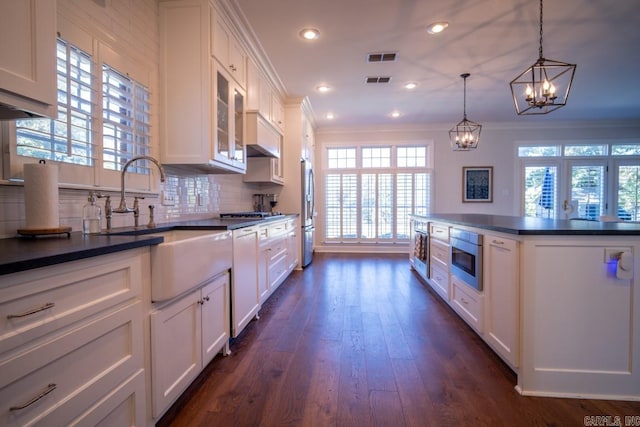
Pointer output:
x,y
497,148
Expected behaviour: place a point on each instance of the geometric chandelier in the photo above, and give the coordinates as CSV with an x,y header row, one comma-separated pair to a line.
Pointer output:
x,y
544,86
465,136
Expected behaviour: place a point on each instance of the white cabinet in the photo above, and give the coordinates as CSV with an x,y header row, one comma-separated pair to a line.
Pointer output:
x,y
70,344
202,123
185,336
227,50
28,58
277,112
278,255
277,261
245,295
467,302
501,293
292,243
229,138
267,169
439,251
263,99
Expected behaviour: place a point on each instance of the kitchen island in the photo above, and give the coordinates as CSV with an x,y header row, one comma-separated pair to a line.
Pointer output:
x,y
559,300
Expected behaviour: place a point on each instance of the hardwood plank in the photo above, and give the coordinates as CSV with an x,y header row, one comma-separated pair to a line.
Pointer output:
x,y
358,340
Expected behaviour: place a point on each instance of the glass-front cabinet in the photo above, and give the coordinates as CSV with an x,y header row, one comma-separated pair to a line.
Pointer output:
x,y
229,133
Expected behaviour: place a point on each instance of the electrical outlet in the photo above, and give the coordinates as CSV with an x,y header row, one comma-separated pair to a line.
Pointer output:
x,y
167,199
612,254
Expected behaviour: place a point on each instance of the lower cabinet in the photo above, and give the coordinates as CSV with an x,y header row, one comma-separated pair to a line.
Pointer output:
x,y
501,292
292,244
185,336
70,343
467,302
245,293
278,255
439,266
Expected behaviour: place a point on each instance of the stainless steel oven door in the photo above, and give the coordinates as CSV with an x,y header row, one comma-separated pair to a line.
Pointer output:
x,y
466,262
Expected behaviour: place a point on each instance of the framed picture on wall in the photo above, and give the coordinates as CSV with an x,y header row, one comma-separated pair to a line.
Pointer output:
x,y
477,184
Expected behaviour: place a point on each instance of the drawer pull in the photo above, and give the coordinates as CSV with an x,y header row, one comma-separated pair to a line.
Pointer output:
x,y
497,242
48,390
33,311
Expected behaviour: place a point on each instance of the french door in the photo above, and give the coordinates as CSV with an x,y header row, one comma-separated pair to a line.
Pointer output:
x,y
585,189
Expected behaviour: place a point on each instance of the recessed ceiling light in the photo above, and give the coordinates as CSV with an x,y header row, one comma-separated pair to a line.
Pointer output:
x,y
309,34
323,88
410,85
330,116
437,27
395,114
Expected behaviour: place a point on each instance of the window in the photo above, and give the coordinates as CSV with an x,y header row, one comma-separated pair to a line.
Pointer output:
x,y
125,126
103,121
370,191
587,181
69,138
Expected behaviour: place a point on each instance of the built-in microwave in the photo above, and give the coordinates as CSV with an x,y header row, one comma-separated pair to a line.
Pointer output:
x,y
466,257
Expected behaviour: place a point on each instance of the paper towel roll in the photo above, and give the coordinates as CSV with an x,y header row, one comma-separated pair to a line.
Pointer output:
x,y
41,196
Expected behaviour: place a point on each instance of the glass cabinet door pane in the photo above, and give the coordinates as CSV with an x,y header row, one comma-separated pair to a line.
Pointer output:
x,y
223,115
239,122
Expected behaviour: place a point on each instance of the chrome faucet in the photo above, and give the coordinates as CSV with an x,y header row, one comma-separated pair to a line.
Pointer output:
x,y
122,208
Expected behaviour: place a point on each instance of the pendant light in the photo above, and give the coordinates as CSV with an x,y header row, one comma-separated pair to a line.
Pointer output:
x,y
544,86
465,136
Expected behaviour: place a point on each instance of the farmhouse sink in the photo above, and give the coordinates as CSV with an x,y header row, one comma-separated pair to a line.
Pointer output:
x,y
186,259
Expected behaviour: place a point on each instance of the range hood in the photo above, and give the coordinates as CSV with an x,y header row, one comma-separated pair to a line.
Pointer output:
x,y
262,138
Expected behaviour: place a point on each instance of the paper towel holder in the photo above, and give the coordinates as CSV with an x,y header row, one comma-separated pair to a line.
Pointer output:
x,y
34,232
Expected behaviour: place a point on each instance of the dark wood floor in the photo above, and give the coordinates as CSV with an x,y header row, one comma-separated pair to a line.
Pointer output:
x,y
358,340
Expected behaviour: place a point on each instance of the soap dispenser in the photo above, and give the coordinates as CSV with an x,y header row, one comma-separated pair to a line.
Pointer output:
x,y
91,215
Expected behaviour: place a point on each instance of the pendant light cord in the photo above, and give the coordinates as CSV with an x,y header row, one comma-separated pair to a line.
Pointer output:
x,y
541,30
464,102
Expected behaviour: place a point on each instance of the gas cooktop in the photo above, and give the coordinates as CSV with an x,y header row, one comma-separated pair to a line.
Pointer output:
x,y
249,214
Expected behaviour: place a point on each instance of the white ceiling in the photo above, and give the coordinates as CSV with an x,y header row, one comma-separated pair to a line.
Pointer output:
x,y
494,40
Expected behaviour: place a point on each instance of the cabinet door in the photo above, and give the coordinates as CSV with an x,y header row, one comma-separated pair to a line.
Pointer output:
x,y
277,112
501,289
228,139
228,51
245,296
175,350
28,61
215,318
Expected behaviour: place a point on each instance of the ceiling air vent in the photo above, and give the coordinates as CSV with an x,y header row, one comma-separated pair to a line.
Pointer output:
x,y
381,57
379,79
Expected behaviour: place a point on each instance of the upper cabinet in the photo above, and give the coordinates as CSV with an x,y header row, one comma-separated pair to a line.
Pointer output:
x,y
203,105
262,98
27,59
227,50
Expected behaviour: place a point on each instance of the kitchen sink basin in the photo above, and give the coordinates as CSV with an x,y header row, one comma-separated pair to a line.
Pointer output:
x,y
186,259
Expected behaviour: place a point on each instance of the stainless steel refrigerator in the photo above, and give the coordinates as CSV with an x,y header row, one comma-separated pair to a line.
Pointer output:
x,y
308,212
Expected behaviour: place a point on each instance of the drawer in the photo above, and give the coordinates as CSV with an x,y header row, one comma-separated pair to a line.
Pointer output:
x,y
440,251
277,229
439,279
467,302
277,269
75,370
277,249
36,303
439,231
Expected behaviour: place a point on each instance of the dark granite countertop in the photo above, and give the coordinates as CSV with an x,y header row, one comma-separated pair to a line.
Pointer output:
x,y
538,226
25,253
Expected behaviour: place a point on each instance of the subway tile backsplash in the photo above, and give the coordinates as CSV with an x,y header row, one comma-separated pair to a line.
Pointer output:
x,y
196,197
